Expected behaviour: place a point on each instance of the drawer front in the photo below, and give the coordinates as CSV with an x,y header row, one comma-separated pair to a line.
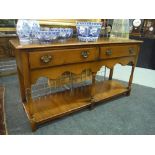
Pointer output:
x,y
61,57
118,51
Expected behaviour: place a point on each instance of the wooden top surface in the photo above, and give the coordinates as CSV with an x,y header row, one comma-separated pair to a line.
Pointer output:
x,y
73,42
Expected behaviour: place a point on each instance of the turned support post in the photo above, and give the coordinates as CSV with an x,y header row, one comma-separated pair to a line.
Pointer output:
x,y
111,73
22,87
130,79
93,90
33,125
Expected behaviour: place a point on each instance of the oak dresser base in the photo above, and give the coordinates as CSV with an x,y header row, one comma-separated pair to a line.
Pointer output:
x,y
53,60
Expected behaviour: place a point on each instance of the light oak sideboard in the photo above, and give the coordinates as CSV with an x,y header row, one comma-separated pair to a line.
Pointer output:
x,y
52,60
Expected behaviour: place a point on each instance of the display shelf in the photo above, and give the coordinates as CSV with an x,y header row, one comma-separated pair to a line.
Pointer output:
x,y
55,105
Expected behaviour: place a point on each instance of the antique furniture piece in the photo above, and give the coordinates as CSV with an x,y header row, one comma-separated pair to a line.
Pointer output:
x,y
7,32
147,35
5,51
7,59
53,60
147,55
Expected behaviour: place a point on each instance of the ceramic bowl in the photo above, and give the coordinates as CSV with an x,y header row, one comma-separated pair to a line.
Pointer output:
x,y
65,33
47,36
35,27
88,31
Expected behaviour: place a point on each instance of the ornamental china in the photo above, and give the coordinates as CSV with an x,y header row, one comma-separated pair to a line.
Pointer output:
x,y
65,33
29,31
47,36
88,31
23,29
26,30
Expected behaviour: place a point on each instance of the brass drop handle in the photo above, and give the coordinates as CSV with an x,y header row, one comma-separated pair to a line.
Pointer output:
x,y
46,58
108,52
131,50
85,54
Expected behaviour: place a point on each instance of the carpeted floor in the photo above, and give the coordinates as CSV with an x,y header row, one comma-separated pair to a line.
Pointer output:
x,y
127,115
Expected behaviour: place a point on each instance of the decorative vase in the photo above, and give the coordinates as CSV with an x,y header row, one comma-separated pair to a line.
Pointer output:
x,y
26,30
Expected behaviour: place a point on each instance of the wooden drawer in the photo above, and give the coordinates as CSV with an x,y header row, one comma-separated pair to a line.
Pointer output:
x,y
118,51
61,57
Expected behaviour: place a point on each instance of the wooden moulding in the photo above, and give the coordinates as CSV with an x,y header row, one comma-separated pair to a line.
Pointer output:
x,y
64,22
62,103
56,71
7,29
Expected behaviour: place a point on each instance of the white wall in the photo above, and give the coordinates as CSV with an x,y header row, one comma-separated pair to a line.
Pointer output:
x,y
142,76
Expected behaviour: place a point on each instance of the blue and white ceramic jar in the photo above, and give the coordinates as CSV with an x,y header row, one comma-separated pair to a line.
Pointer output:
x,y
23,31
88,31
82,29
26,30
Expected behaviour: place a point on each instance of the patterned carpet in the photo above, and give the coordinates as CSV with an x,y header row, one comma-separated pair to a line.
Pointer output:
x,y
8,67
127,115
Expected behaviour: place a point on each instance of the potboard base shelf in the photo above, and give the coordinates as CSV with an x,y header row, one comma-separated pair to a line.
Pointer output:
x,y
62,103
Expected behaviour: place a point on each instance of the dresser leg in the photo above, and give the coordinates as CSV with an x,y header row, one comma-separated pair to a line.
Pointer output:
x,y
91,107
93,85
22,88
128,92
92,91
92,103
130,80
33,125
111,73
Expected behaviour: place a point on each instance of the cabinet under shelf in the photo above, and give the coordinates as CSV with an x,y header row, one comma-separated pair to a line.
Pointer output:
x,y
62,103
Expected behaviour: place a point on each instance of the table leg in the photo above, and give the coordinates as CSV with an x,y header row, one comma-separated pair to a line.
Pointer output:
x,y
130,80
111,73
92,91
22,87
33,125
